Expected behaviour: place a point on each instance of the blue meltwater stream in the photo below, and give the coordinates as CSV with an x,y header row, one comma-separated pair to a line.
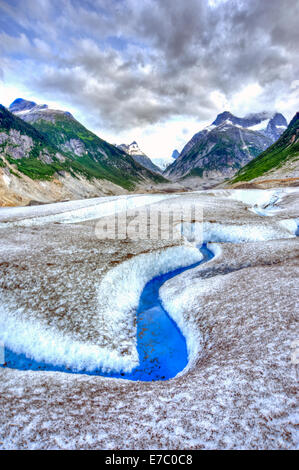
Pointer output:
x,y
161,346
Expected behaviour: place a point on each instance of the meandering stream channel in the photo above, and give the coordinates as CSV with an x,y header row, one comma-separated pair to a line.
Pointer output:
x,y
161,346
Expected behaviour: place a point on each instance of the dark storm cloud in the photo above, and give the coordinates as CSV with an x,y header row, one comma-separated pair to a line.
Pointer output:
x,y
136,62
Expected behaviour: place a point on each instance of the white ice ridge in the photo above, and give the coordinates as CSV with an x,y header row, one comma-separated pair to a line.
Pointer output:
x,y
264,202
120,289
261,201
215,232
78,211
118,298
212,233
49,345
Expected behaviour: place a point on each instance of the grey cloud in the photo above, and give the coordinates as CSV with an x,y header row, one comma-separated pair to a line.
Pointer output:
x,y
175,53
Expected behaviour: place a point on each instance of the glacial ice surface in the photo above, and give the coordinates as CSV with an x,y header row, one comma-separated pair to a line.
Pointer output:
x,y
118,297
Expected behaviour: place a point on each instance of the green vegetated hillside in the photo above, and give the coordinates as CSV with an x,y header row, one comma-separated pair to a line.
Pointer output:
x,y
44,143
26,154
286,148
99,158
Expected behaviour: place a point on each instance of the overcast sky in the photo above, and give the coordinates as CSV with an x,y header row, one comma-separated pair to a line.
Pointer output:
x,y
155,71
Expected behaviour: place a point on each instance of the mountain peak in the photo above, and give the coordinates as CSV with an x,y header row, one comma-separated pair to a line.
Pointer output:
x,y
134,151
271,124
279,120
222,117
21,105
131,149
30,111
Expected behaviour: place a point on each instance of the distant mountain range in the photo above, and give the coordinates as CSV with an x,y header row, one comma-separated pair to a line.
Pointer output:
x,y
280,160
226,145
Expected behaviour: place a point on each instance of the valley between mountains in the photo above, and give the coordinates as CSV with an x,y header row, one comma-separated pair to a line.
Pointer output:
x,y
47,156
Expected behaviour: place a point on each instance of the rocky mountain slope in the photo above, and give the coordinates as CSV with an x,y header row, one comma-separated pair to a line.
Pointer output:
x,y
63,131
230,142
46,155
280,161
139,156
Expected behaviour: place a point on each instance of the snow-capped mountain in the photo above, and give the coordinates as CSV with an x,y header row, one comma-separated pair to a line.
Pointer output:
x,y
272,125
131,149
139,156
227,144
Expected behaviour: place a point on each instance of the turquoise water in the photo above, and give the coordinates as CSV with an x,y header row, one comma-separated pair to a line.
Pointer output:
x,y
161,346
